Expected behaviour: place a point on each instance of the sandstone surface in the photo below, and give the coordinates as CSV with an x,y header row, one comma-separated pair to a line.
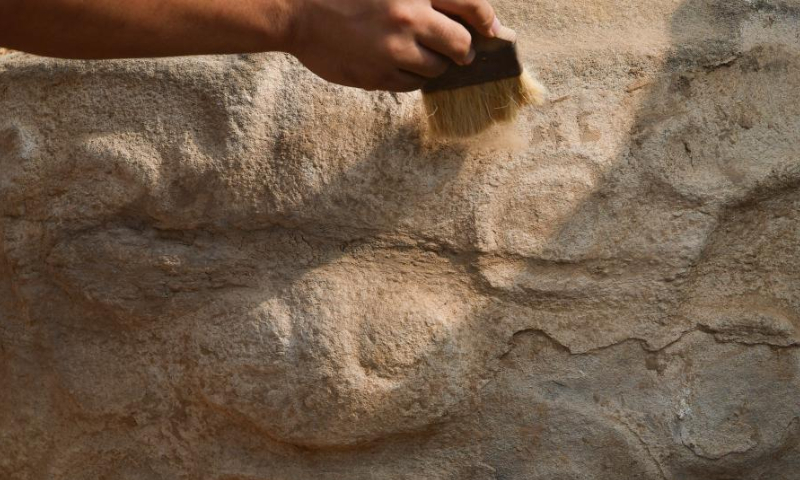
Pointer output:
x,y
224,268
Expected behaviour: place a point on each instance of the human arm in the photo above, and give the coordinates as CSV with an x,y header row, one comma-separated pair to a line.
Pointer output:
x,y
373,44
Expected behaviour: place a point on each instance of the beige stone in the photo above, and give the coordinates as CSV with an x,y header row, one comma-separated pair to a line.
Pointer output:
x,y
225,268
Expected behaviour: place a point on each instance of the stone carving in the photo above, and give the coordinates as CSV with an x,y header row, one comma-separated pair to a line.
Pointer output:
x,y
225,268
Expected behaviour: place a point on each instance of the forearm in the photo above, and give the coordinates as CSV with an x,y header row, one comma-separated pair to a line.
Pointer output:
x,y
144,28
394,45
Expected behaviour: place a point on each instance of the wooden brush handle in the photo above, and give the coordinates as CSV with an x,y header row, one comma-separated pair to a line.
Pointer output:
x,y
496,59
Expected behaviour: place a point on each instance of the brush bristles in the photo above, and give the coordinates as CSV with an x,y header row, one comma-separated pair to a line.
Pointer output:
x,y
467,111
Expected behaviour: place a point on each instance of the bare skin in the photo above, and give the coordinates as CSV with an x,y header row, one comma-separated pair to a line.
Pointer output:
x,y
390,45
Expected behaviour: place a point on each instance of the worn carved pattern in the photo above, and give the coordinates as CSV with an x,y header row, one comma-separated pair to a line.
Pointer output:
x,y
224,268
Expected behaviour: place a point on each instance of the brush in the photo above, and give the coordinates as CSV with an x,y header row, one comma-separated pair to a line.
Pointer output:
x,y
466,100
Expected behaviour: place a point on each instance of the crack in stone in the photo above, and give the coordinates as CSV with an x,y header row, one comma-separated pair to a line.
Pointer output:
x,y
642,342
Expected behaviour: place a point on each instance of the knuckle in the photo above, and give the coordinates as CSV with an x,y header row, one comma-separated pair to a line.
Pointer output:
x,y
487,20
481,12
462,45
401,16
395,48
473,8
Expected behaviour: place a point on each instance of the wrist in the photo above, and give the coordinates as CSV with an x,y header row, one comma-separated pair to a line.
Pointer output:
x,y
280,24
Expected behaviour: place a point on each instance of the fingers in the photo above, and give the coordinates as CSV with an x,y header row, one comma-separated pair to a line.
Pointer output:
x,y
446,36
477,13
422,61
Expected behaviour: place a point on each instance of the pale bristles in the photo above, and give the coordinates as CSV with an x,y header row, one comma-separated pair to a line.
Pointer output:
x,y
467,111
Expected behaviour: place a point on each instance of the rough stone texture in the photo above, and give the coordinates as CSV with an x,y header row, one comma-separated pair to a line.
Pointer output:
x,y
226,269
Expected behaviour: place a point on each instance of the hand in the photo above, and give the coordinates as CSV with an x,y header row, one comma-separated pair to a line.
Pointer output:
x,y
391,45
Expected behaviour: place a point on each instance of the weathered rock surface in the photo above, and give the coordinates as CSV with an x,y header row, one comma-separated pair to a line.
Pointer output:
x,y
224,268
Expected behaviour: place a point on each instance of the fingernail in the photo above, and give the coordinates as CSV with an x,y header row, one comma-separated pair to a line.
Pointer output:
x,y
470,57
496,26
